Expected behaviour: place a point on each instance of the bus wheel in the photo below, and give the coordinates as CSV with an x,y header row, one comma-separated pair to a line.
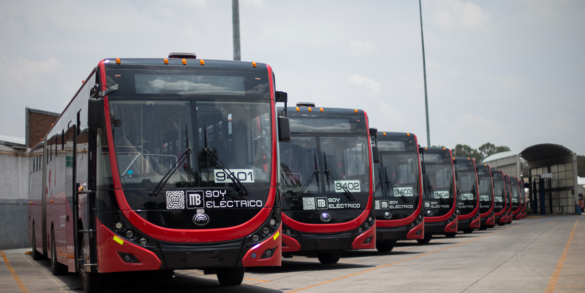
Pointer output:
x,y
92,282
385,247
467,231
56,267
450,235
426,240
36,255
483,228
328,258
501,224
230,276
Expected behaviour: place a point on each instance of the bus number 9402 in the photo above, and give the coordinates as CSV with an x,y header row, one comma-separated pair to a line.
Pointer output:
x,y
244,175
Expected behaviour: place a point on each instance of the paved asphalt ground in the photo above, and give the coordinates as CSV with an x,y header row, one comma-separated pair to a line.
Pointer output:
x,y
532,255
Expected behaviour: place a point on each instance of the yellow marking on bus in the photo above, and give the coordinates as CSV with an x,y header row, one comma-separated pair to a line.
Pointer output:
x,y
14,275
120,241
276,235
557,272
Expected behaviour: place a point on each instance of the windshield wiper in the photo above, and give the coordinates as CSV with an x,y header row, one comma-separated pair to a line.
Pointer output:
x,y
328,176
240,188
391,185
306,185
163,181
381,182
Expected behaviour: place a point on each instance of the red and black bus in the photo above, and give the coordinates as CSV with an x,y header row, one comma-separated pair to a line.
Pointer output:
x,y
398,193
509,192
468,215
522,199
161,164
326,183
486,196
500,197
439,186
517,186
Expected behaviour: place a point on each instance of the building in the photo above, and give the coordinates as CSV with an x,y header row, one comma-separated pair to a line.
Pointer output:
x,y
551,179
14,172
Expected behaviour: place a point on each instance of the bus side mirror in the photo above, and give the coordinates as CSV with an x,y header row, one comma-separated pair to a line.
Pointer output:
x,y
95,113
283,129
375,154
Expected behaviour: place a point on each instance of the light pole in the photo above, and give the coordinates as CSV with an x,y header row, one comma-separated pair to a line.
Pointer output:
x,y
422,38
236,29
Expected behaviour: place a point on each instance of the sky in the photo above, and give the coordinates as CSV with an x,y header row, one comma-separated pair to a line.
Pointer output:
x,y
507,72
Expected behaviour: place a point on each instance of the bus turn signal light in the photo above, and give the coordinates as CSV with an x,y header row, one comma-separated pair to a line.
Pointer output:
x,y
356,110
166,61
118,61
202,62
298,110
254,64
321,110
184,61
310,110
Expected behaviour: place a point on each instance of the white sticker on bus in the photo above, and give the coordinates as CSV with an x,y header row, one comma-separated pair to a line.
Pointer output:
x,y
244,175
467,196
351,185
403,191
441,194
484,197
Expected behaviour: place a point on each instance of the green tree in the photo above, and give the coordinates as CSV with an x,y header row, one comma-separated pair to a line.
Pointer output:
x,y
581,166
438,146
463,150
487,149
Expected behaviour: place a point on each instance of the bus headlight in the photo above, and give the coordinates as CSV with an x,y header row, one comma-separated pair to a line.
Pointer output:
x,y
119,226
255,238
130,234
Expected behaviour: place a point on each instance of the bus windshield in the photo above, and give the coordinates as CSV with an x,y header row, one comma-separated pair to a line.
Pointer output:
x,y
515,192
154,135
499,191
485,189
397,175
467,185
438,181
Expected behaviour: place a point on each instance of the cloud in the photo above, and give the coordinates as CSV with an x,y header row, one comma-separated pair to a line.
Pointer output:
x,y
370,85
458,13
362,48
25,68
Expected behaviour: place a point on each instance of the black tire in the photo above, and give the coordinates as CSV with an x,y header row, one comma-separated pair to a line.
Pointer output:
x,y
385,247
450,235
36,255
500,224
426,240
230,276
57,268
329,258
468,230
92,282
491,226
483,228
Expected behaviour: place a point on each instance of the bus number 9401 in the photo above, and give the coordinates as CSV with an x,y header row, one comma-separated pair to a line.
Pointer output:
x,y
244,175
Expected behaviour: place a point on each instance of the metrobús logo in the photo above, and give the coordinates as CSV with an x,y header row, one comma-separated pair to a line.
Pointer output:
x,y
208,199
349,185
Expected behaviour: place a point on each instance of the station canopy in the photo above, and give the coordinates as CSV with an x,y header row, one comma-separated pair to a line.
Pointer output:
x,y
544,151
